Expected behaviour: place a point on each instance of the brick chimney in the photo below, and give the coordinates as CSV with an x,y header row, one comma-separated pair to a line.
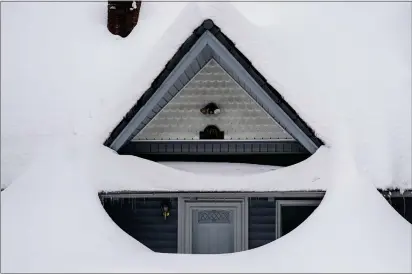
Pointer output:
x,y
122,16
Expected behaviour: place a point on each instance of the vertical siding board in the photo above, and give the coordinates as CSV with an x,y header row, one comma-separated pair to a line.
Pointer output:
x,y
178,84
151,114
193,148
157,108
208,147
194,68
177,148
224,147
169,147
146,121
163,102
154,148
201,59
184,79
185,147
207,54
171,93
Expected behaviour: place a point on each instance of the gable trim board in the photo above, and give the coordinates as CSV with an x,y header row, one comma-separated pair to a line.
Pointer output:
x,y
208,37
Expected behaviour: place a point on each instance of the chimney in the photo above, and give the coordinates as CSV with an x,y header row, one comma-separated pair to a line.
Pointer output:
x,y
122,16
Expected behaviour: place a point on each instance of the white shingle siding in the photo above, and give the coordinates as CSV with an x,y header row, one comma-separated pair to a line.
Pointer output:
x,y
241,118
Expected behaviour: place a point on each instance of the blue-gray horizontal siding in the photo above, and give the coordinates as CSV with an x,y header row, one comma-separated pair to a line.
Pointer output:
x,y
214,147
142,219
262,221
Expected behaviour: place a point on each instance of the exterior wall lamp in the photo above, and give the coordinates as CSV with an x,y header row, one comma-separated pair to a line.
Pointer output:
x,y
165,209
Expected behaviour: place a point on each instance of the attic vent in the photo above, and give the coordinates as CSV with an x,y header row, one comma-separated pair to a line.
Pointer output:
x,y
122,16
211,132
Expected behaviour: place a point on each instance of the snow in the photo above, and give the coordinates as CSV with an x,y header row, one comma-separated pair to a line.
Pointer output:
x,y
344,67
116,173
52,221
221,169
72,78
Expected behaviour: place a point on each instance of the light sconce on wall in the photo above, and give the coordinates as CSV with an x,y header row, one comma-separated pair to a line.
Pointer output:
x,y
165,209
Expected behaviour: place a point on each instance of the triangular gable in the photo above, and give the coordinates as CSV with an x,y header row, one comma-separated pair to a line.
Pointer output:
x,y
206,43
241,118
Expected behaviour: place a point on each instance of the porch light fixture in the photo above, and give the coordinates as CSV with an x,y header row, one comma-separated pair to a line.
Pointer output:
x,y
165,209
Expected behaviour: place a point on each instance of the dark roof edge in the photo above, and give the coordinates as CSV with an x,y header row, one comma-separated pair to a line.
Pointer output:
x,y
387,192
208,25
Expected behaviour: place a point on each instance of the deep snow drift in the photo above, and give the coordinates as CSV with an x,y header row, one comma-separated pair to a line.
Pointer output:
x,y
223,169
124,173
52,220
332,62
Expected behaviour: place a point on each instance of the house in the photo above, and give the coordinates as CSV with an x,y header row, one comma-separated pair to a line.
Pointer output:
x,y
211,105
86,193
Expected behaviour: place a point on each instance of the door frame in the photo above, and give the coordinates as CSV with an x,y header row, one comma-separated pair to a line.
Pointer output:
x,y
187,204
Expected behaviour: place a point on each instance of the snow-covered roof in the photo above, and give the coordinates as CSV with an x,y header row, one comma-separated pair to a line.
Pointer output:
x,y
204,45
344,67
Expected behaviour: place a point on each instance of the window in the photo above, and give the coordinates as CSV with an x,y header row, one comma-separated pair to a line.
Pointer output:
x,y
291,213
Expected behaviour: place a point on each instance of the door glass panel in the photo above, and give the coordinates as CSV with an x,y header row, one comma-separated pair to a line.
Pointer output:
x,y
213,216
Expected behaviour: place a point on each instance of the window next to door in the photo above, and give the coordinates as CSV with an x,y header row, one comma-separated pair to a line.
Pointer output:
x,y
291,213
